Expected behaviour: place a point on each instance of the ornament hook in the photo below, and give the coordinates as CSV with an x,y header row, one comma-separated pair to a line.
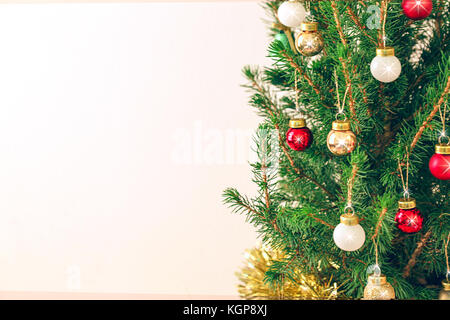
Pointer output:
x,y
377,270
374,269
406,194
443,135
341,112
349,207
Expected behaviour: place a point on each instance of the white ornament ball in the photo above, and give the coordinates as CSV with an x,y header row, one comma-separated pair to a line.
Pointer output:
x,y
349,237
385,67
291,14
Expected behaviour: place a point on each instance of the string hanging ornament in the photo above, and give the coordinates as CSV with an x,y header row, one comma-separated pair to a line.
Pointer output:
x,y
439,164
408,218
341,140
299,137
348,235
309,41
377,287
385,66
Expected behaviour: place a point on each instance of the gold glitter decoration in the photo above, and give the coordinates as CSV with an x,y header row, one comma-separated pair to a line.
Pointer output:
x,y
378,289
445,292
306,286
309,43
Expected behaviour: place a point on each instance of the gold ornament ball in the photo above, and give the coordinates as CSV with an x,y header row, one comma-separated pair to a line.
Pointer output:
x,y
341,140
445,292
378,288
309,42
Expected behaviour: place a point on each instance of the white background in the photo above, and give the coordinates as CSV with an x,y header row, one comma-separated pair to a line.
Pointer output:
x,y
120,126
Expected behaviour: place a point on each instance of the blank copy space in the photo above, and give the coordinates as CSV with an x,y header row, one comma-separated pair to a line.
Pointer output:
x,y
98,102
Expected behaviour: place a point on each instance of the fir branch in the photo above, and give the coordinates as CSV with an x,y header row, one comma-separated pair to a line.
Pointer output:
x,y
237,203
283,146
416,253
272,108
359,25
365,99
297,170
344,64
382,113
338,23
351,101
380,30
321,221
432,114
438,20
301,72
362,3
348,257
380,220
351,181
264,176
411,86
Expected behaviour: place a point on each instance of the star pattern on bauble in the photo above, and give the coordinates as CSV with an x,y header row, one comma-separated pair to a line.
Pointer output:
x,y
446,165
418,6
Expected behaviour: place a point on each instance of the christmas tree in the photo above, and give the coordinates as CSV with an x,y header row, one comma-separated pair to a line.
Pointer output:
x,y
353,159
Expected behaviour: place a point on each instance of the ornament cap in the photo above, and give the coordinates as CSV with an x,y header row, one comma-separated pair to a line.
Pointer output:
x,y
376,280
341,125
349,219
297,123
385,52
406,203
309,26
443,148
446,285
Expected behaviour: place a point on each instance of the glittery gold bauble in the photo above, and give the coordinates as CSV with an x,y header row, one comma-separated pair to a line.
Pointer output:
x,y
445,292
341,140
378,288
305,286
309,42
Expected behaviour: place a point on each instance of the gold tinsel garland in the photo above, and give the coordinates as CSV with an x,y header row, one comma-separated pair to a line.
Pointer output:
x,y
305,287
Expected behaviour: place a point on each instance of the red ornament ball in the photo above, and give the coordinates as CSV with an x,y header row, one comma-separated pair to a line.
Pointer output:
x,y
417,9
299,139
409,220
440,166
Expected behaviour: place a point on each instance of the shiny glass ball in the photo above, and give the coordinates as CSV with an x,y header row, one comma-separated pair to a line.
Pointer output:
x,y
417,9
299,139
291,14
309,43
440,166
349,238
341,142
409,220
385,69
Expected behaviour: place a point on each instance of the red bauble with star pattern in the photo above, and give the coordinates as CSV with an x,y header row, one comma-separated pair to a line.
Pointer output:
x,y
417,9
298,137
408,217
440,162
